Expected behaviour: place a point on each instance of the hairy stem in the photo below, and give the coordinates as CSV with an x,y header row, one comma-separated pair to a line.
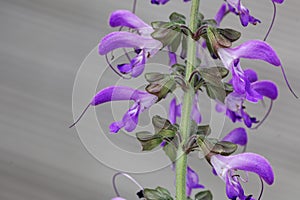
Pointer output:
x,y
185,124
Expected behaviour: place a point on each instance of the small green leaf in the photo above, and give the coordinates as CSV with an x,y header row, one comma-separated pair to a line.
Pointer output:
x,y
183,52
167,34
211,41
216,72
230,34
158,193
154,77
148,140
160,124
210,22
223,41
204,195
217,93
160,84
178,18
224,148
203,130
206,144
165,133
159,24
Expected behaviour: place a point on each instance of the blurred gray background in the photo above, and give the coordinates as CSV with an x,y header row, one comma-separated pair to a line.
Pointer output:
x,y
43,44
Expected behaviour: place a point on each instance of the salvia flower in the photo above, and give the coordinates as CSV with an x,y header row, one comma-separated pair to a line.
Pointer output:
x,y
192,181
227,166
245,83
236,7
162,2
246,87
234,109
142,101
142,42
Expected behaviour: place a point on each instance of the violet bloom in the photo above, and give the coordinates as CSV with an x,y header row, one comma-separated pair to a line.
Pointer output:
x,y
246,87
142,101
162,2
192,181
246,82
234,109
175,110
227,166
236,7
145,46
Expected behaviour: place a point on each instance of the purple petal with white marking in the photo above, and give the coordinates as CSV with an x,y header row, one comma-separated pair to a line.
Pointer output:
x,y
248,162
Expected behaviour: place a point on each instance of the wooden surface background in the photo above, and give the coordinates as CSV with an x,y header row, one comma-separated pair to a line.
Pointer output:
x,y
42,45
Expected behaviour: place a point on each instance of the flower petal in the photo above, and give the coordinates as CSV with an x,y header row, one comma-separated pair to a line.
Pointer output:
x,y
172,58
129,120
172,111
251,75
249,162
220,14
254,49
192,181
278,1
123,39
237,136
115,93
158,2
195,114
266,88
234,101
126,18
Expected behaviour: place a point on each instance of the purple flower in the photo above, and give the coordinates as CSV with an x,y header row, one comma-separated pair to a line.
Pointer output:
x,y
192,181
236,7
253,49
247,86
175,110
245,82
142,101
145,46
237,136
226,167
162,2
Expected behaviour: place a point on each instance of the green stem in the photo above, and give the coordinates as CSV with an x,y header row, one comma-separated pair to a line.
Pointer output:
x,y
185,124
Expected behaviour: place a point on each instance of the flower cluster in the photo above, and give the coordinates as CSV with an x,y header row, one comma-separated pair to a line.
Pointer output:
x,y
230,86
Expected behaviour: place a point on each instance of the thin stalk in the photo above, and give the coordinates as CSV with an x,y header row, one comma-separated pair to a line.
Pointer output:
x,y
185,124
